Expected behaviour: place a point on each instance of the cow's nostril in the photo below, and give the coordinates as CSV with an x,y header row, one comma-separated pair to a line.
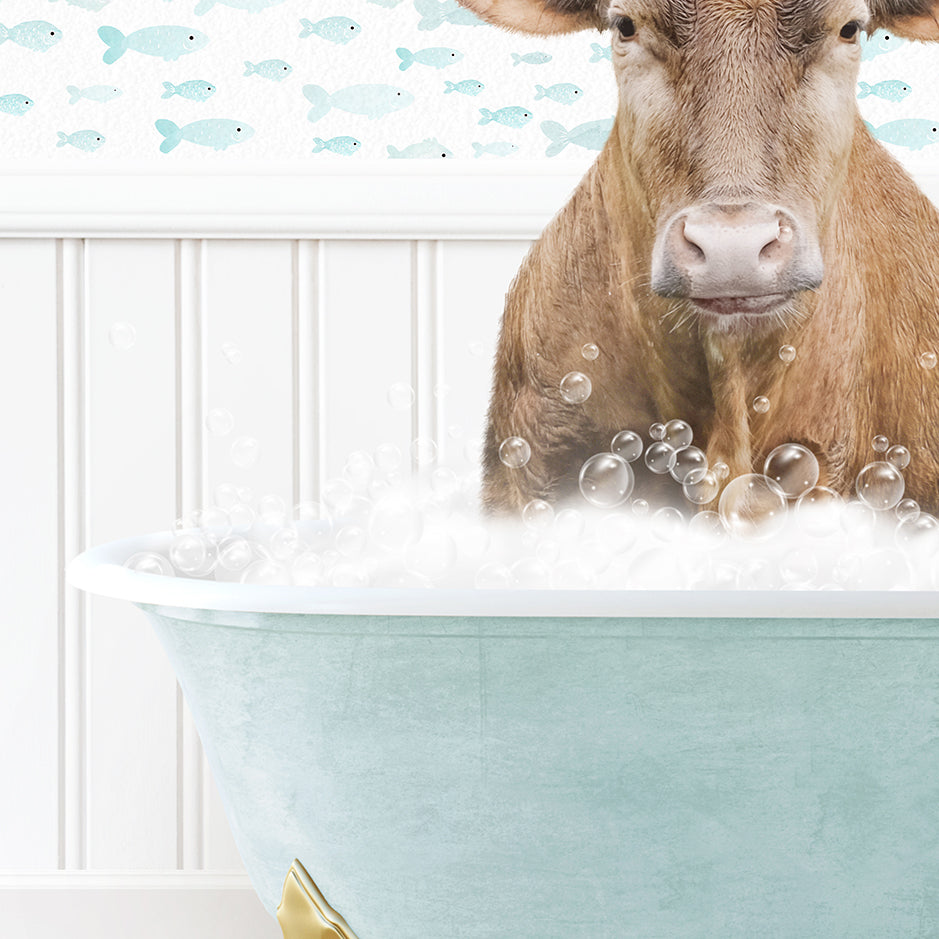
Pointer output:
x,y
694,251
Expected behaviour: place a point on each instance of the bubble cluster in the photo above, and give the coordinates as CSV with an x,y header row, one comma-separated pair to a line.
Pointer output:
x,y
378,525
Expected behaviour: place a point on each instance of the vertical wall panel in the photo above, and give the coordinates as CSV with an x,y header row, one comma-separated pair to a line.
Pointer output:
x,y
29,557
473,277
366,347
248,311
131,757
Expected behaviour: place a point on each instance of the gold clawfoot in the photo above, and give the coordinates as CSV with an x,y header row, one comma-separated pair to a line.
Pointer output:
x,y
303,912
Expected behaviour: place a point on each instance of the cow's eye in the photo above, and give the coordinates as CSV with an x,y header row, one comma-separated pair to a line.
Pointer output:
x,y
849,31
625,27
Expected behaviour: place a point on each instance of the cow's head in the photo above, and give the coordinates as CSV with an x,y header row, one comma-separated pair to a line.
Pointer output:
x,y
736,120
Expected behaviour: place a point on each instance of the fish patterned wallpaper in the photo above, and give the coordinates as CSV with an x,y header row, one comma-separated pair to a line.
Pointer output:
x,y
153,82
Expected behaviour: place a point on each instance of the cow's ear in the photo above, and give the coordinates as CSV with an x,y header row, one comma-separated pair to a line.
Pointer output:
x,y
911,19
538,17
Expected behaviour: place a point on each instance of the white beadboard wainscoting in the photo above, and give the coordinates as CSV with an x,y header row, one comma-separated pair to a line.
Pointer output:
x,y
332,287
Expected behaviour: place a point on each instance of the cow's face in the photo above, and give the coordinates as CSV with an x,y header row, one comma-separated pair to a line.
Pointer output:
x,y
736,118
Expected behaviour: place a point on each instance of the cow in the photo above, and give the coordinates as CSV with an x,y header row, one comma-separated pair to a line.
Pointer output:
x,y
739,205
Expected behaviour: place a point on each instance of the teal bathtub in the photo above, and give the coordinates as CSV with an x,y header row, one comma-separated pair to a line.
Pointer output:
x,y
545,765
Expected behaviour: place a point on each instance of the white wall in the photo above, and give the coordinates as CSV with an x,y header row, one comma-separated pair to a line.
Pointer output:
x,y
333,287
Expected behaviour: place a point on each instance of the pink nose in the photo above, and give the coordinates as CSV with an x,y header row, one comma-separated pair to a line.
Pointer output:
x,y
714,250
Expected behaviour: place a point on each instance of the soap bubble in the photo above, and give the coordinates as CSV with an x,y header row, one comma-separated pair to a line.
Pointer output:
x,y
538,514
444,483
514,452
818,511
569,525
308,569
880,485
242,517
640,507
657,430
702,490
424,451
761,404
752,507
477,348
793,468
678,434
387,457
122,336
231,353
219,422
188,552
606,480
454,431
928,360
721,470
530,573
899,456
668,524
395,523
400,396
660,457
798,567
858,519
285,543
235,554
493,576
690,464
149,562
707,526
628,445
245,451
787,353
907,508
226,495
575,387
880,443
350,541
918,534
337,496
265,571
359,469
590,350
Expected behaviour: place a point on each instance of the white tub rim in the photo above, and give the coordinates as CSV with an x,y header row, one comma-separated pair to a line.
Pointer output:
x,y
100,570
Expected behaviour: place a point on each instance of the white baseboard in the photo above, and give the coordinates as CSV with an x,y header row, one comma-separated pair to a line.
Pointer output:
x,y
96,905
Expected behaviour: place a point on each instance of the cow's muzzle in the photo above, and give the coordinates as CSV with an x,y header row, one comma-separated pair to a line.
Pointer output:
x,y
735,258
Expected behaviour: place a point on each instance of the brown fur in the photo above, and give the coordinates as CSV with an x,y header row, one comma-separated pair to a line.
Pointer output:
x,y
858,338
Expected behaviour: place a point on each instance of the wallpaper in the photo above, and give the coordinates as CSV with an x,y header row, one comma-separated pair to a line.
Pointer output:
x,y
297,81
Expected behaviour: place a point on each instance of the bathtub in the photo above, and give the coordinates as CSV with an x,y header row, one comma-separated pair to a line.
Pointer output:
x,y
543,764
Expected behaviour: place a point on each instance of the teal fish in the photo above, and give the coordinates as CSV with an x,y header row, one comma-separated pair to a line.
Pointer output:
x,y
435,13
601,52
563,93
530,58
468,87
194,90
428,149
878,43
167,42
249,6
590,136
372,101
275,70
100,93
338,29
499,148
345,146
37,35
15,104
913,133
509,117
94,5
436,57
87,140
216,133
889,90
